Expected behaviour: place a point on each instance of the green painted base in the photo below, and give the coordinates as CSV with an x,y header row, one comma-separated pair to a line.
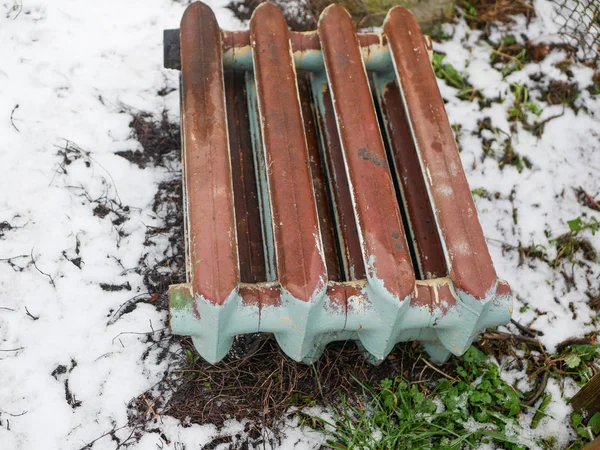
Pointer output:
x,y
303,329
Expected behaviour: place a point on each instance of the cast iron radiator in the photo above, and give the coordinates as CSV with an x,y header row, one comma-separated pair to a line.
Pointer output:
x,y
324,194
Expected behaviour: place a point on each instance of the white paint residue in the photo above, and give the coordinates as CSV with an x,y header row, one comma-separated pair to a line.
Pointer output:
x,y
444,190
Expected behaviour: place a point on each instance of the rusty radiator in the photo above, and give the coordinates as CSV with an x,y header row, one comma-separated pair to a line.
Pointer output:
x,y
324,194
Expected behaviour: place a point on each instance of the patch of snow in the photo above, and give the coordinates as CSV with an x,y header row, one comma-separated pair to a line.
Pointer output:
x,y
70,71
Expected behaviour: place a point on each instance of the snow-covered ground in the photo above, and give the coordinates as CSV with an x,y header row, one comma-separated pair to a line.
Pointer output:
x,y
70,360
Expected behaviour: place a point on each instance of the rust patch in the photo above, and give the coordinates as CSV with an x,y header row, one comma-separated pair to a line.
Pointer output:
x,y
250,245
300,261
206,162
338,297
373,157
470,264
261,294
426,240
195,310
434,294
422,297
447,298
503,288
373,192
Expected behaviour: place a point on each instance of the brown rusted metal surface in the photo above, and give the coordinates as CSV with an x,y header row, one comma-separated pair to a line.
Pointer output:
x,y
211,228
436,295
467,255
426,240
298,245
300,41
594,445
326,221
261,294
347,234
250,244
384,246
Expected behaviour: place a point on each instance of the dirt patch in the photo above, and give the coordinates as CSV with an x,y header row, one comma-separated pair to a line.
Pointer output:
x,y
258,382
4,227
366,155
115,287
159,140
560,92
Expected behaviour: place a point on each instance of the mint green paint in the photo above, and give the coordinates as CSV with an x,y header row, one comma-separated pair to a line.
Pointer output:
x,y
260,167
212,327
377,59
303,329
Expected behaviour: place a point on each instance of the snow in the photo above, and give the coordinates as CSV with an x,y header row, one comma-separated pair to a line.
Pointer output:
x,y
553,424
68,364
73,68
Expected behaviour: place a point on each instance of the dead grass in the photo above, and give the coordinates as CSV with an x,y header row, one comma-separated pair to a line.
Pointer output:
x,y
560,92
159,140
256,381
479,13
586,199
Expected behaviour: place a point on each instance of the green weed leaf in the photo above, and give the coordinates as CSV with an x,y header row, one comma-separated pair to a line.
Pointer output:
x,y
594,423
572,361
575,225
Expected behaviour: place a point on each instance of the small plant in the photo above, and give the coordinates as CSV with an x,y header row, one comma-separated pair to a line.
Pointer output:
x,y
576,357
474,408
585,430
301,400
438,34
512,158
541,411
191,357
595,88
577,225
453,77
481,192
568,244
532,251
511,55
522,104
14,10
